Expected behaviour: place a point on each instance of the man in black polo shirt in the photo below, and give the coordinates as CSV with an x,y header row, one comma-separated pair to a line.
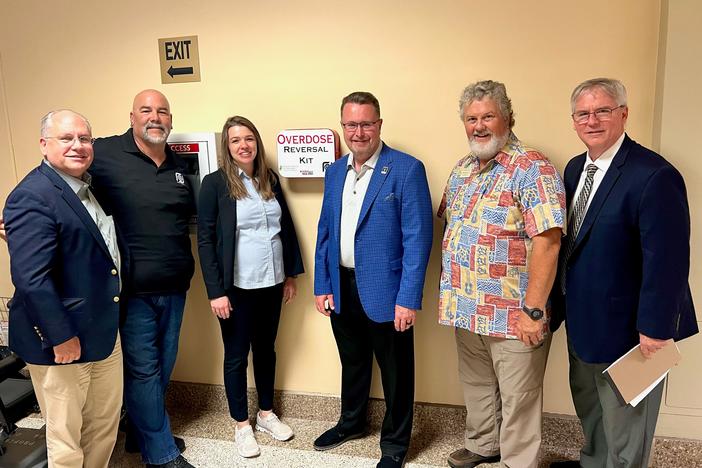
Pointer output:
x,y
142,184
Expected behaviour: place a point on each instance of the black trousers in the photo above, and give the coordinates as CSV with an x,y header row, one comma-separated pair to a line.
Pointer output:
x,y
252,325
358,338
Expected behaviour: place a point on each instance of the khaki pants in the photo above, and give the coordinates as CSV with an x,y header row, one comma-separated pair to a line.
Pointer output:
x,y
503,390
81,406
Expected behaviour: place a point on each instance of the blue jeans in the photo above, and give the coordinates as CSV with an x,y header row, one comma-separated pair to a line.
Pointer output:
x,y
149,344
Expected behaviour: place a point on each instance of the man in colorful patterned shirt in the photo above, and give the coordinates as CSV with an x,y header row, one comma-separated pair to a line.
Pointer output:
x,y
504,206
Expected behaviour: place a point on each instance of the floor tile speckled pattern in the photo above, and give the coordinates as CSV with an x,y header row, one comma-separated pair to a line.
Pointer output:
x,y
199,414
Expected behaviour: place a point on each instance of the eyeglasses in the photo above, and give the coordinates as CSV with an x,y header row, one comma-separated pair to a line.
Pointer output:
x,y
353,126
602,114
69,139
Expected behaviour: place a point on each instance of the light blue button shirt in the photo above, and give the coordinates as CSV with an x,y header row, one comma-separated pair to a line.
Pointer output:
x,y
258,261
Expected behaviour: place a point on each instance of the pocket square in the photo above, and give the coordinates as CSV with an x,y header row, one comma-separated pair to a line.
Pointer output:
x,y
390,197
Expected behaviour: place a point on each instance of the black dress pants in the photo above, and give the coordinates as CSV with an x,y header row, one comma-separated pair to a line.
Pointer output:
x,y
252,325
358,338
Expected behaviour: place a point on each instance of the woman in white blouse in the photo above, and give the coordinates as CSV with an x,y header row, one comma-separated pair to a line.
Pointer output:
x,y
249,256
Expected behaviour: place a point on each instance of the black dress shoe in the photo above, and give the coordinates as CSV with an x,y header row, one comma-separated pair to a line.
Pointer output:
x,y
131,445
391,461
179,462
566,464
464,458
333,438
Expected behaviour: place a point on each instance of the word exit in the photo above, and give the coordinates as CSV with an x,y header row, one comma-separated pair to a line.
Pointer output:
x,y
180,59
178,50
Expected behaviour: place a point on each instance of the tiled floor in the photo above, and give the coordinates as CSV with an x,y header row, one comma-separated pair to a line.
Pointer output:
x,y
198,413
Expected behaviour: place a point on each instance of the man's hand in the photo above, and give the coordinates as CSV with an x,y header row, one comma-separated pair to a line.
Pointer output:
x,y
3,233
324,304
529,331
67,352
404,318
649,346
221,307
289,289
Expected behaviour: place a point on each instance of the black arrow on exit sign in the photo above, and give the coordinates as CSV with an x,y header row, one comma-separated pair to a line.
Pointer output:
x,y
180,71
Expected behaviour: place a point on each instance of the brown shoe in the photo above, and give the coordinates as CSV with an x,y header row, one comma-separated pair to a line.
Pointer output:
x,y
464,458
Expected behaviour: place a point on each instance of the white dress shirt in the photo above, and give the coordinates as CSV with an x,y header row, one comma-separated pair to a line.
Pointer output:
x,y
602,163
355,187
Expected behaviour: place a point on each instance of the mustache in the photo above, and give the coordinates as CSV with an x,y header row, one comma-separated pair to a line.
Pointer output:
x,y
151,125
482,134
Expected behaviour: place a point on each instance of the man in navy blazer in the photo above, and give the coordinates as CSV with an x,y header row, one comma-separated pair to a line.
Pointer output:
x,y
64,315
623,278
373,243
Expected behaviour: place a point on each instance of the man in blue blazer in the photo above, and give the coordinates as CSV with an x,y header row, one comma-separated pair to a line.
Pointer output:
x,y
64,316
373,243
623,277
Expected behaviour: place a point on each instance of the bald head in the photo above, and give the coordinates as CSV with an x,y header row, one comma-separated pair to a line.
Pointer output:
x,y
47,120
151,118
149,95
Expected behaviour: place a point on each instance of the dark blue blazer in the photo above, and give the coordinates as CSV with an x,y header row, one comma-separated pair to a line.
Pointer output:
x,y
66,283
216,234
393,235
628,273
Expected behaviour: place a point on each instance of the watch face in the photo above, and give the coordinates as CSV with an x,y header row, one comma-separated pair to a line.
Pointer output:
x,y
534,314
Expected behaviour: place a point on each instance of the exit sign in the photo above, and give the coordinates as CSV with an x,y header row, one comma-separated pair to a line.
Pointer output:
x,y
180,59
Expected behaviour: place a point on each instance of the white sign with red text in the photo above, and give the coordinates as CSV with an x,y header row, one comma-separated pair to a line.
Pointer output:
x,y
306,152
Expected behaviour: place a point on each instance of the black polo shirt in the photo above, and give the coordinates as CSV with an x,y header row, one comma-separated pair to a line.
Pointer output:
x,y
151,207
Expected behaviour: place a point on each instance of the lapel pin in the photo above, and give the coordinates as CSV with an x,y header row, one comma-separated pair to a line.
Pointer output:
x,y
385,170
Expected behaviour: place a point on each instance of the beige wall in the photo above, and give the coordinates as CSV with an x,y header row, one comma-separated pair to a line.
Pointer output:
x,y
678,110
8,179
287,65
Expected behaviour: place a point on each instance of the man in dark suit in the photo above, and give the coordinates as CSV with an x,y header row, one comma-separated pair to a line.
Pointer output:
x,y
64,315
373,243
623,278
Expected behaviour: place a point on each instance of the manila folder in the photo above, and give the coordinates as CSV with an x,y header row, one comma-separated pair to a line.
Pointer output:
x,y
632,374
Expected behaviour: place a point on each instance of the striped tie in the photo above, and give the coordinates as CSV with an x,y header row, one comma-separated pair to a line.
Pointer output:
x,y
576,220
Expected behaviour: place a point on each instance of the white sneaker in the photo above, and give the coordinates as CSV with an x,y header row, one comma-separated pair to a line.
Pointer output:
x,y
273,426
246,442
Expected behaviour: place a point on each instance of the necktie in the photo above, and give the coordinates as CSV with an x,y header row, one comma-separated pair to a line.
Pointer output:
x,y
576,220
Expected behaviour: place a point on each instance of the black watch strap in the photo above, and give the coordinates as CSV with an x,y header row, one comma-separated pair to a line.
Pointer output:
x,y
533,312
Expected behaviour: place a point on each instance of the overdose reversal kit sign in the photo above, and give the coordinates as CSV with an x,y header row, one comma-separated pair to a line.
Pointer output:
x,y
306,152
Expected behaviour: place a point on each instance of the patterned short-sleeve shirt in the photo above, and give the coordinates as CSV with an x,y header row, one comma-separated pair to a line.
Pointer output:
x,y
491,216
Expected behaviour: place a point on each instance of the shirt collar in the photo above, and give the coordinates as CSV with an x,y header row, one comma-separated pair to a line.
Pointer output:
x,y
605,159
242,174
372,161
74,183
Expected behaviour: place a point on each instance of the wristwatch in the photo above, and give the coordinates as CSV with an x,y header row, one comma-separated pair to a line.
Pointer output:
x,y
533,312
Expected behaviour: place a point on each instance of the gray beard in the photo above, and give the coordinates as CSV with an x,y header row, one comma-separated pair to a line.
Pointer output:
x,y
487,151
155,140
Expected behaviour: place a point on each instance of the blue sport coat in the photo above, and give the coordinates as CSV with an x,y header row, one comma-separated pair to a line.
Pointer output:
x,y
628,273
66,283
393,235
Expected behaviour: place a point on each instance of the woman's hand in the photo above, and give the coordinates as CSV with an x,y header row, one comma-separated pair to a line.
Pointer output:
x,y
221,307
289,289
